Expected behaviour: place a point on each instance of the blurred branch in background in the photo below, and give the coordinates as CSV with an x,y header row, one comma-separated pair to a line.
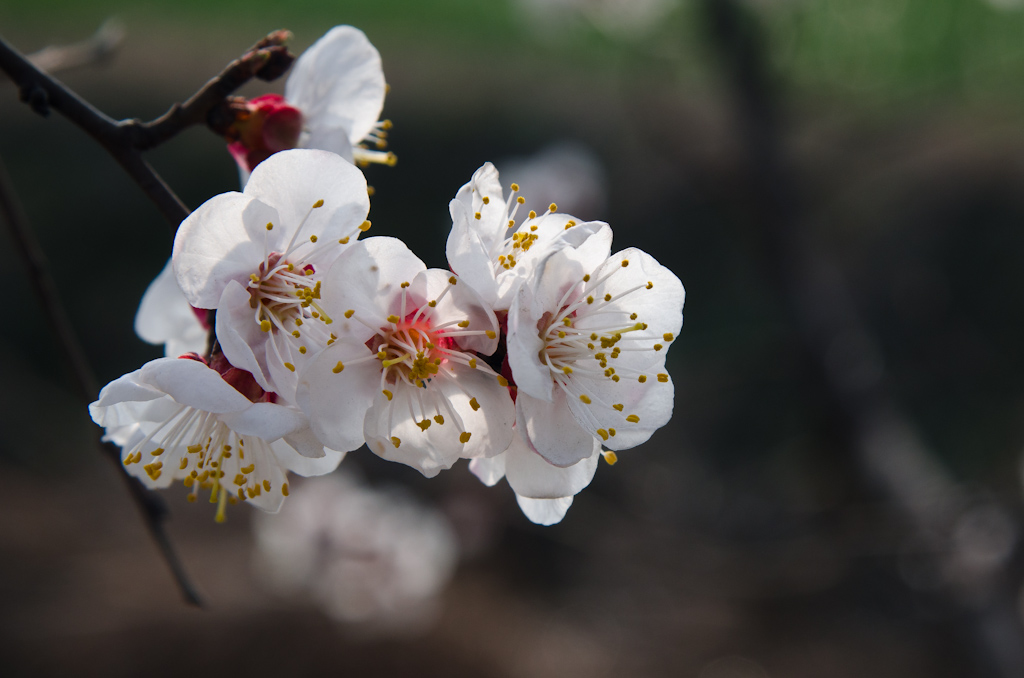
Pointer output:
x,y
151,506
95,49
971,539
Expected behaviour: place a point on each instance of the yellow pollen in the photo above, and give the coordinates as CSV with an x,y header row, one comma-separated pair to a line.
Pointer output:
x,y
533,215
284,489
464,323
520,200
618,406
270,226
607,297
610,457
604,434
253,277
365,226
476,216
585,398
404,285
396,441
432,303
392,318
663,378
625,263
464,437
439,419
633,419
642,378
266,485
184,463
658,347
343,241
424,425
453,280
472,363
295,333
239,479
349,313
248,469
302,350
668,336
157,452
611,432
389,395
586,278
502,380
552,207
318,203
515,187
649,284
312,238
290,367
590,300
485,200
474,404
338,368
265,325
490,334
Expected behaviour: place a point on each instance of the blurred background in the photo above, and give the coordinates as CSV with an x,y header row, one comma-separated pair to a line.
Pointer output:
x,y
838,184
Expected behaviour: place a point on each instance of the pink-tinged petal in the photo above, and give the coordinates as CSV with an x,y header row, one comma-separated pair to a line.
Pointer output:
x,y
488,470
265,420
544,511
239,335
367,280
165,317
392,433
335,391
531,476
339,80
331,137
221,241
190,382
293,181
305,466
551,429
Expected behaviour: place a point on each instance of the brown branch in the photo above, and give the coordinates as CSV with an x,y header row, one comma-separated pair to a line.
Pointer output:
x,y
151,506
268,59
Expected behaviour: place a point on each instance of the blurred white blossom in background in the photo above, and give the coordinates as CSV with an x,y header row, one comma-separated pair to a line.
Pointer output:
x,y
372,558
618,18
566,173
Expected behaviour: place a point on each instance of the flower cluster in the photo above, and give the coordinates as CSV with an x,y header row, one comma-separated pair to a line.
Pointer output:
x,y
533,354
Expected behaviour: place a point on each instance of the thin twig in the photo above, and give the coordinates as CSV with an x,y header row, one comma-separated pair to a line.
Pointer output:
x,y
97,48
151,506
268,59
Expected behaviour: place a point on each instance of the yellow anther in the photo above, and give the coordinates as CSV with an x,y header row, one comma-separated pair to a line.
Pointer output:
x,y
590,300
561,334
515,187
270,226
476,216
389,395
604,434
611,432
370,190
313,238
266,485
439,419
295,333
502,380
404,285
625,263
633,419
365,226
424,425
464,437
338,368
396,441
191,498
392,319
642,378
157,452
291,368
284,489
464,323
520,200
318,203
343,241
239,480
533,228
585,398
472,363
607,297
615,378
668,336
382,354
302,350
567,321
610,457
349,313
485,200
265,325
552,207
432,303
192,449
658,347
253,277
452,280
474,404
532,215
490,334
248,469
663,378
649,284
618,406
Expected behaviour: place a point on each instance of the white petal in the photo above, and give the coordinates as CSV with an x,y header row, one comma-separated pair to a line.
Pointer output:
x,y
524,346
488,469
305,466
336,402
467,251
530,475
552,430
460,302
239,335
268,421
339,80
329,137
221,241
165,317
192,383
544,511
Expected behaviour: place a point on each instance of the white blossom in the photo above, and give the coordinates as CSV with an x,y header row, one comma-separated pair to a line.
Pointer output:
x,y
587,338
179,419
403,373
258,258
165,317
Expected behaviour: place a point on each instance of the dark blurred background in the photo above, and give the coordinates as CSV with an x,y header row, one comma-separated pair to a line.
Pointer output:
x,y
836,182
